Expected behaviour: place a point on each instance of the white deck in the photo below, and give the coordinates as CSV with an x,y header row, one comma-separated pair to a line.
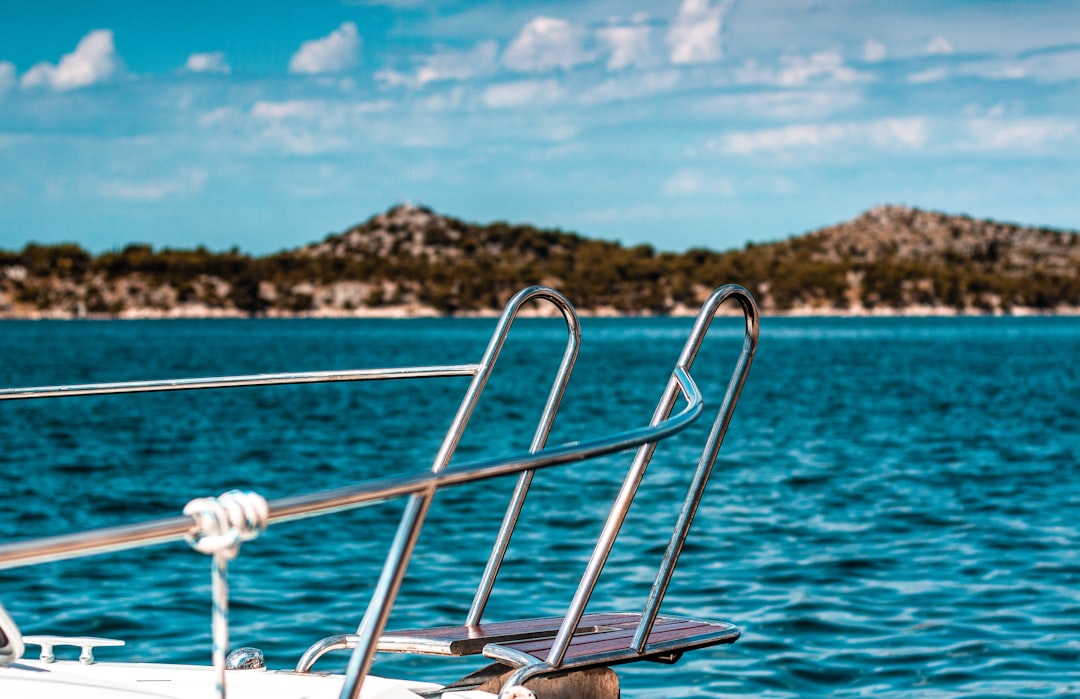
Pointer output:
x,y
66,679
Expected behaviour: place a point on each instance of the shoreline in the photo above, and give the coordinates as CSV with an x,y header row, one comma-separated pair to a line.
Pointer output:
x,y
411,312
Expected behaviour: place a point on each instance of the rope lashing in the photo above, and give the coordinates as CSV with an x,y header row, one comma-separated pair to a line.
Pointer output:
x,y
221,525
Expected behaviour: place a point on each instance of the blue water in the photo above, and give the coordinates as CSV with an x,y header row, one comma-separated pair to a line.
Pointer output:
x,y
895,511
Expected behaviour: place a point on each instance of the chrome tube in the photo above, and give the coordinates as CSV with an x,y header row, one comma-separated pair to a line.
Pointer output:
x,y
521,490
345,641
397,561
97,389
708,455
604,543
166,530
680,380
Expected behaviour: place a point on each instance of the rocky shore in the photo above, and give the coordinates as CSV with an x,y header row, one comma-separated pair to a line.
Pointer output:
x,y
412,262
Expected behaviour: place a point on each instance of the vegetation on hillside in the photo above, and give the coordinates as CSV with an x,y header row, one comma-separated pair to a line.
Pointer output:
x,y
890,258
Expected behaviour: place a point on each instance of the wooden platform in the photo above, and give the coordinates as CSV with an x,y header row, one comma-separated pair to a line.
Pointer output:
x,y
470,640
600,639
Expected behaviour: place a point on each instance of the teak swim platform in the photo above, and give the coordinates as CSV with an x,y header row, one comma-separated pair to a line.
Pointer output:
x,y
554,657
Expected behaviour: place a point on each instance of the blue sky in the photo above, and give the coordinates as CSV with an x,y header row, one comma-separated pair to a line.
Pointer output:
x,y
687,123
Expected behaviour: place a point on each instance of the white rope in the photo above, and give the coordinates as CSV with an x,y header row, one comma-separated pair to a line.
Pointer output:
x,y
226,521
221,525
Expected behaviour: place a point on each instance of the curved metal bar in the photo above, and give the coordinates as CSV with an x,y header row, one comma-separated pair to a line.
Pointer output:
x,y
521,490
625,497
412,520
97,389
166,530
528,667
708,454
318,649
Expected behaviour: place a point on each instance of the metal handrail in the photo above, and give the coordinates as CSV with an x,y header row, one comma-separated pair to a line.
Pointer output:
x,y
422,487
378,610
605,542
100,389
607,537
317,503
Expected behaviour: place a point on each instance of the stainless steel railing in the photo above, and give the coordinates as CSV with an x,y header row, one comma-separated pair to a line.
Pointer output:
x,y
421,487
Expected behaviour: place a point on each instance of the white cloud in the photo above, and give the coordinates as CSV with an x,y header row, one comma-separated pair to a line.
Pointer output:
x,y
7,76
337,51
873,51
296,140
884,133
546,43
931,75
688,183
938,46
208,63
185,183
694,35
785,105
797,71
304,110
217,116
442,101
1020,134
521,93
302,127
448,65
1052,67
1057,66
1010,72
93,60
635,86
629,44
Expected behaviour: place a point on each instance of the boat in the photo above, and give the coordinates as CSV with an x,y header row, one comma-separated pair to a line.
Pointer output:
x,y
549,658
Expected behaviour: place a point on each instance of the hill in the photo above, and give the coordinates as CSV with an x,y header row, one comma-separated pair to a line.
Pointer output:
x,y
413,261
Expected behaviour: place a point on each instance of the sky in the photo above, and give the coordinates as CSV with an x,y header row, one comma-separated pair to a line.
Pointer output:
x,y
683,123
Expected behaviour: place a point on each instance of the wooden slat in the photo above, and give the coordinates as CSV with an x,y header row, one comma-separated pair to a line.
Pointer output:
x,y
666,629
469,640
604,641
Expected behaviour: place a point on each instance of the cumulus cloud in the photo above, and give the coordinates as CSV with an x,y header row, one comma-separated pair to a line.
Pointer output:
x,y
884,133
448,65
93,60
213,62
938,46
521,93
546,43
337,51
873,51
7,76
628,44
694,35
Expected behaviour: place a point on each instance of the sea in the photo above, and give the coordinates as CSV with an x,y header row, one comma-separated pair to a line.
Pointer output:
x,y
895,511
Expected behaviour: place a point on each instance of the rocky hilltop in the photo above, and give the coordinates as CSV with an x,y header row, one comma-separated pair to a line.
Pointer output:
x,y
412,261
